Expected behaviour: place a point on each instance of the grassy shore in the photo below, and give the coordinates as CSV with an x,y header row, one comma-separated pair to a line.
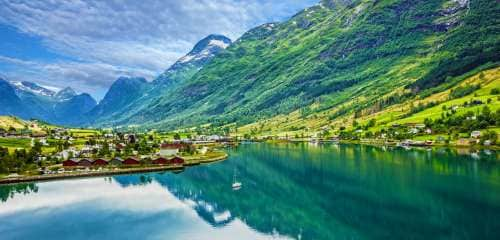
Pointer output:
x,y
189,161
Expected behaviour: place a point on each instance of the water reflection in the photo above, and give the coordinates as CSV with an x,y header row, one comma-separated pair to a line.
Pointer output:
x,y
295,191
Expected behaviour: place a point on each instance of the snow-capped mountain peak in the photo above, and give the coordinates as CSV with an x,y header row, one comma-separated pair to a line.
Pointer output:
x,y
32,88
200,55
206,48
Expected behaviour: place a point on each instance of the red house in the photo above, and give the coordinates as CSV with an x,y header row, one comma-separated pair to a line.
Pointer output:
x,y
70,163
100,162
177,160
85,162
131,161
160,161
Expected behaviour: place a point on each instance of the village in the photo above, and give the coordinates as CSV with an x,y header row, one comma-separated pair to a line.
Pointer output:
x,y
35,148
61,151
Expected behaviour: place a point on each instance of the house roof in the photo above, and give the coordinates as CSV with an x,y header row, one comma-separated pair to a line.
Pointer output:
x,y
171,146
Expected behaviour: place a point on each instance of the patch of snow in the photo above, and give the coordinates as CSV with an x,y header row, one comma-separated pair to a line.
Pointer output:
x,y
38,91
52,88
218,43
269,26
186,58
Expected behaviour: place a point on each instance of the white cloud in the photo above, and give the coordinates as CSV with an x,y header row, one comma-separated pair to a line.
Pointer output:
x,y
134,36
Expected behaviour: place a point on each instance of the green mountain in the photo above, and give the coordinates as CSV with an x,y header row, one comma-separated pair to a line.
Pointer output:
x,y
338,58
128,96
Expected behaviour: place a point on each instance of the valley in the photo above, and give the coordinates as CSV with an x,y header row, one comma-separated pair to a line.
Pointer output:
x,y
384,72
255,119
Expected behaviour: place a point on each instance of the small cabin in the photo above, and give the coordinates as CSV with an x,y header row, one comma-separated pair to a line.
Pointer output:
x,y
177,160
117,161
131,161
100,162
160,161
85,162
70,163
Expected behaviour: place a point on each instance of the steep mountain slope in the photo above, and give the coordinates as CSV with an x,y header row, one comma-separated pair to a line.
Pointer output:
x,y
123,91
343,55
30,100
200,55
135,98
405,111
71,111
10,103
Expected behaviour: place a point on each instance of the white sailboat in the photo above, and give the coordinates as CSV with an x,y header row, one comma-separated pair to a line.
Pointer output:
x,y
236,185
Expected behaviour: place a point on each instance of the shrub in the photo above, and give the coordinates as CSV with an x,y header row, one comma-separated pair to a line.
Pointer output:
x,y
462,91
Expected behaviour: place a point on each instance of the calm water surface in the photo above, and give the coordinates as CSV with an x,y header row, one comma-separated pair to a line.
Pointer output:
x,y
289,192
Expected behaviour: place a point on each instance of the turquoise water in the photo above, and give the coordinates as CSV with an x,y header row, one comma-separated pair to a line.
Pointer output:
x,y
290,191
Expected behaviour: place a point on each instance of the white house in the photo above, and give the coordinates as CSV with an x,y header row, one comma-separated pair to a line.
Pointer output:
x,y
475,134
169,149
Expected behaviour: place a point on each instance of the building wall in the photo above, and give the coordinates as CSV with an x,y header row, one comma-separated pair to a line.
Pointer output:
x,y
168,152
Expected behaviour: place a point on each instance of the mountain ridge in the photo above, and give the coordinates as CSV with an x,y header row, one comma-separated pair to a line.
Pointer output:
x,y
331,56
30,100
145,94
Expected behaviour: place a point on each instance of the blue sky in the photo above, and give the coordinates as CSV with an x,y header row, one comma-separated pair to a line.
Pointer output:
x,y
88,44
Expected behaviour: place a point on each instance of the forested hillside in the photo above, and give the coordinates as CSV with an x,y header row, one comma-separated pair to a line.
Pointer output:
x,y
339,58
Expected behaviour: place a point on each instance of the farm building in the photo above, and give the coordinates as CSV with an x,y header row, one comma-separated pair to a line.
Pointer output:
x,y
100,162
116,161
177,160
85,162
70,163
131,161
160,161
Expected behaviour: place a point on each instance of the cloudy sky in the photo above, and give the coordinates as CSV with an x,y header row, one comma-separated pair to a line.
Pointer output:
x,y
87,44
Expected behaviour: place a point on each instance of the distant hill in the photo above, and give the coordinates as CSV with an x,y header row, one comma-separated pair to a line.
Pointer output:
x,y
7,122
30,100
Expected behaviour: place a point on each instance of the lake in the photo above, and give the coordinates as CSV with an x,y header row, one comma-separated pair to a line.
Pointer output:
x,y
289,191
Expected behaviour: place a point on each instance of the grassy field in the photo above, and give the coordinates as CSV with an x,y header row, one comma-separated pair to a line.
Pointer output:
x,y
84,132
13,143
488,80
296,123
7,121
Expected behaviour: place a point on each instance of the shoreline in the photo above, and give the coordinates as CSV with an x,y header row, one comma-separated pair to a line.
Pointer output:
x,y
111,172
394,144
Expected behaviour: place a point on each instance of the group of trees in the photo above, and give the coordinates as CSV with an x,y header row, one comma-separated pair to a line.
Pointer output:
x,y
19,160
450,122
